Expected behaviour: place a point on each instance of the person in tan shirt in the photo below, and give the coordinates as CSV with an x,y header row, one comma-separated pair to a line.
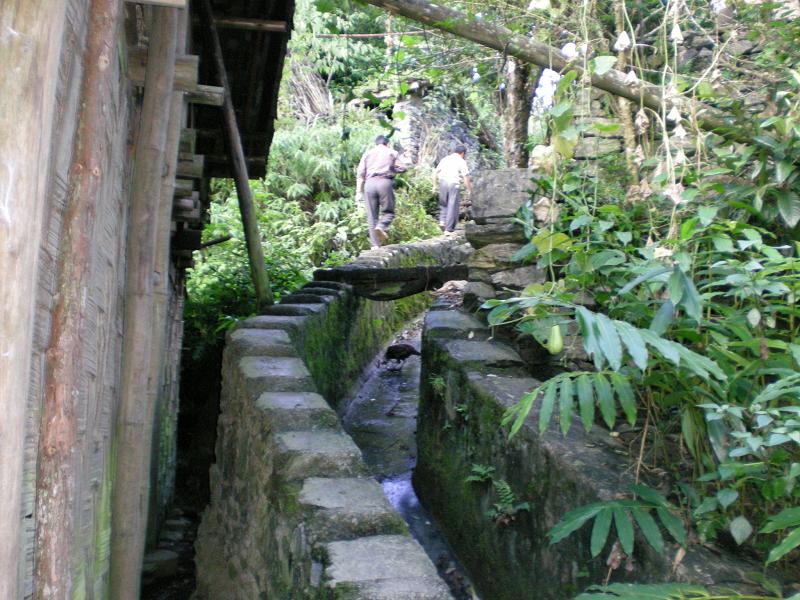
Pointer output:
x,y
448,176
375,184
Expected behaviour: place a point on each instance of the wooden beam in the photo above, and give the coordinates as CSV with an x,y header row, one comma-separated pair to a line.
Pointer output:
x,y
191,168
134,427
209,95
185,204
167,3
188,141
255,253
33,40
251,24
183,188
186,68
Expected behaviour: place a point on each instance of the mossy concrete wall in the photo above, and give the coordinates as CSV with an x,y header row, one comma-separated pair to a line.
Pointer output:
x,y
468,381
294,512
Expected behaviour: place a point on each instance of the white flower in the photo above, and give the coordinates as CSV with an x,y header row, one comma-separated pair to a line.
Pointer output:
x,y
623,42
542,5
679,132
674,192
674,115
680,157
676,35
569,50
662,252
631,78
718,5
546,211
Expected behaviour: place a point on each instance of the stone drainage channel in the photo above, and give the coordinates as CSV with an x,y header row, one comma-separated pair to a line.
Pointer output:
x,y
381,417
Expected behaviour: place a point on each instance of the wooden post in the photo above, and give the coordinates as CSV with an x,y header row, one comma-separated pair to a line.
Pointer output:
x,y
160,361
258,269
32,39
135,419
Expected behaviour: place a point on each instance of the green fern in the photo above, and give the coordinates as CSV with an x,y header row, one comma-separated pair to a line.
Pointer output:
x,y
624,513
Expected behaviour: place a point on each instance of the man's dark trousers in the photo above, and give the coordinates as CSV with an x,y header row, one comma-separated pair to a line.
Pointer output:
x,y
449,201
379,196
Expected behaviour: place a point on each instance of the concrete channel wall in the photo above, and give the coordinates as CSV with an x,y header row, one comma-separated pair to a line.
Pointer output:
x,y
294,512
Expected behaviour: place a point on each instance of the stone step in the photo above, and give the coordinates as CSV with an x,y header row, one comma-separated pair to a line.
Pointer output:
x,y
347,508
304,454
297,411
294,310
455,324
259,342
483,355
274,374
292,325
383,567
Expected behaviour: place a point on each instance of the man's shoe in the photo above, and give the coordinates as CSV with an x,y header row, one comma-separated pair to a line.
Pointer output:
x,y
382,235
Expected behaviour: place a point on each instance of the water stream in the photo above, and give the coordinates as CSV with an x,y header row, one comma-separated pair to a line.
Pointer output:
x,y
382,419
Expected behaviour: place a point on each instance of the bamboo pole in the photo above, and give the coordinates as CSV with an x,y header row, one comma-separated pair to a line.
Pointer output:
x,y
135,419
32,39
526,49
258,269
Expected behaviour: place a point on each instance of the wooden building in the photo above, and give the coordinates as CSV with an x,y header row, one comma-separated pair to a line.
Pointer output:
x,y
111,124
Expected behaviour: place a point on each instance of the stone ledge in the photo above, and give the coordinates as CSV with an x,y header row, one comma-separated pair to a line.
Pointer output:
x,y
259,342
274,374
387,567
348,508
304,454
297,411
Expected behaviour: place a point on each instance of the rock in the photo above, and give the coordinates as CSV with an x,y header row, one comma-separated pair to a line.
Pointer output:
x,y
494,231
297,411
305,454
454,324
495,257
160,564
275,374
476,293
518,278
594,147
500,193
484,354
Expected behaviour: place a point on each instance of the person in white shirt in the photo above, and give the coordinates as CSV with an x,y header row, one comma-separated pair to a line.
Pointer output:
x,y
448,176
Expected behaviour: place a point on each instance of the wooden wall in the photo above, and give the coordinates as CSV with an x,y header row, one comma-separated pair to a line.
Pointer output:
x,y
68,121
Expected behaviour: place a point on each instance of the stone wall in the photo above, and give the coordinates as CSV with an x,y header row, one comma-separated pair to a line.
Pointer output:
x,y
468,381
294,512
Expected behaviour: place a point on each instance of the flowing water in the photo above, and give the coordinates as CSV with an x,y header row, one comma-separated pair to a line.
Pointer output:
x,y
382,419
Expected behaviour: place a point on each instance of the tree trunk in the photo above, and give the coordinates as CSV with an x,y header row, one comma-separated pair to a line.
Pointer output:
x,y
528,50
135,419
32,41
516,112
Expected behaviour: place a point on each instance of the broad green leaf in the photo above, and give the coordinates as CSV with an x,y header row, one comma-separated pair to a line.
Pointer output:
x,y
789,543
740,529
627,399
691,301
664,347
586,401
722,243
675,286
706,214
566,405
661,321
624,528
652,274
789,207
726,497
602,525
548,401
521,410
603,64
649,495
608,340
606,400
500,314
783,168
633,342
649,528
788,517
673,524
586,323
572,521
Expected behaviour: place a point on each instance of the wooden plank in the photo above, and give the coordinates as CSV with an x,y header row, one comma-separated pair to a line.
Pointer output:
x,y
186,69
183,188
135,418
168,3
188,141
33,38
191,168
185,204
251,24
187,216
209,95
255,252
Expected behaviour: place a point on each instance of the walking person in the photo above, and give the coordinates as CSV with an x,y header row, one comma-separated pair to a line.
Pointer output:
x,y
375,183
449,174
